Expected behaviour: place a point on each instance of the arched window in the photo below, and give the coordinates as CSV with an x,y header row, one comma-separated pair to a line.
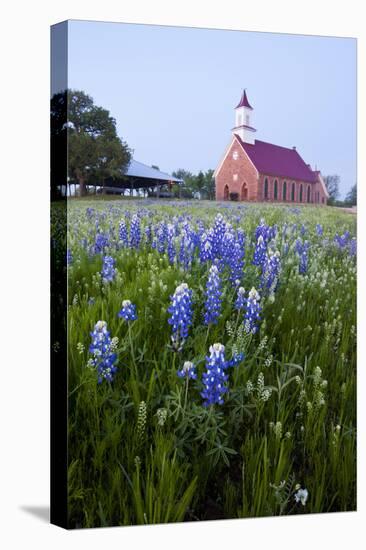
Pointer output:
x,y
275,192
301,192
266,188
293,191
309,191
284,191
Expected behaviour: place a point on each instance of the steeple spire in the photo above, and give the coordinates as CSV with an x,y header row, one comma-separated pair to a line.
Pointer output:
x,y
243,123
244,101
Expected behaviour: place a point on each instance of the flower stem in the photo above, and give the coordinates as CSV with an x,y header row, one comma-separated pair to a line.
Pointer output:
x,y
186,395
132,350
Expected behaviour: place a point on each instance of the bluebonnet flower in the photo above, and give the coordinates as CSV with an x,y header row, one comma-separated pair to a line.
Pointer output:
x,y
353,247
128,311
342,240
161,235
235,360
260,251
187,371
252,313
170,243
265,231
213,296
102,349
214,379
205,248
218,233
186,250
236,263
241,301
181,314
319,229
148,234
108,269
101,242
123,235
302,250
303,230
135,232
69,258
270,271
232,254
90,212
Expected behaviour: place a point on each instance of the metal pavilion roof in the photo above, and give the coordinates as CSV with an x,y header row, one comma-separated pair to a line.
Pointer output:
x,y
139,170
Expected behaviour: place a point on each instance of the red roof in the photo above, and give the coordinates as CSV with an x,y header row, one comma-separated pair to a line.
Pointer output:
x,y
278,161
244,102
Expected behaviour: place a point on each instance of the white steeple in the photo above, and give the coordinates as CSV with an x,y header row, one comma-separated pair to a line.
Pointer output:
x,y
243,124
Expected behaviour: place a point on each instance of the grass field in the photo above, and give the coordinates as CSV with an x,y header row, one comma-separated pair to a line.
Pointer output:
x,y
166,425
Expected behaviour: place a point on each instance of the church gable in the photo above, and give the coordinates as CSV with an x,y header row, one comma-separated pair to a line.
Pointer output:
x,y
236,177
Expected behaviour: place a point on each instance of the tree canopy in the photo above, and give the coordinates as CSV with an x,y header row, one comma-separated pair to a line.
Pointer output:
x,y
201,184
332,185
351,197
95,151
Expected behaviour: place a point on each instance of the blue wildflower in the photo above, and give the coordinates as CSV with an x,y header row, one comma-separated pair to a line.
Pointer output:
x,y
252,313
123,235
135,232
235,360
170,243
260,251
186,250
353,247
219,230
188,371
148,234
161,235
101,242
265,231
108,269
342,240
214,379
213,296
270,271
69,258
181,314
205,248
128,311
319,229
102,349
241,301
302,250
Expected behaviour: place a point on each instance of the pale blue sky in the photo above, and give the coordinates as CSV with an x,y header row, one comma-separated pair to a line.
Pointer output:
x,y
173,91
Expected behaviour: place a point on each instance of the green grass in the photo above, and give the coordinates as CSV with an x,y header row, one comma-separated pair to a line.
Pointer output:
x,y
289,418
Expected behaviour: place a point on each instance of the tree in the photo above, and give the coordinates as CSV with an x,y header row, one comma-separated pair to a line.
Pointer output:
x,y
183,189
351,197
332,185
199,183
95,152
209,186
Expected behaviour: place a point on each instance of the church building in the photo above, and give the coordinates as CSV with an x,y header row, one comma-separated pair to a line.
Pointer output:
x,y
253,170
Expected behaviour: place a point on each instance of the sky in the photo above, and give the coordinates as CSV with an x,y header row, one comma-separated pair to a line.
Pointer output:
x,y
173,90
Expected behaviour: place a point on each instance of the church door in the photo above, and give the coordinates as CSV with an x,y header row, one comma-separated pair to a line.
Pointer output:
x,y
244,192
226,193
